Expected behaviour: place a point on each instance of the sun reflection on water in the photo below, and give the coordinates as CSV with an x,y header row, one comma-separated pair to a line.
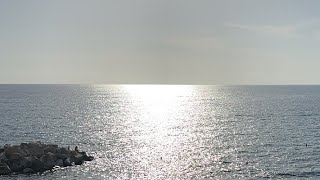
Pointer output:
x,y
159,101
163,132
161,112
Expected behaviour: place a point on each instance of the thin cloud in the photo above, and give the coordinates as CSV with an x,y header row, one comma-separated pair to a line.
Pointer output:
x,y
196,43
280,30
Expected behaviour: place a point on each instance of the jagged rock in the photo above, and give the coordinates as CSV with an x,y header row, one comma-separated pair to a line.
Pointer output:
x,y
63,151
53,156
62,156
90,158
33,149
6,146
37,157
27,171
14,156
49,160
54,146
26,163
86,157
50,148
36,164
2,157
59,162
68,162
78,159
14,150
73,153
5,169
18,163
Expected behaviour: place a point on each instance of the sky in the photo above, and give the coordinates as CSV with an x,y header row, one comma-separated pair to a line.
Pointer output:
x,y
217,42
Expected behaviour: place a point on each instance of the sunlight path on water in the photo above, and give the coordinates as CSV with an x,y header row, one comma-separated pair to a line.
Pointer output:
x,y
159,129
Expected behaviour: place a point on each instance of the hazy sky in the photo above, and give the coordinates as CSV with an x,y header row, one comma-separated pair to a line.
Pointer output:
x,y
160,41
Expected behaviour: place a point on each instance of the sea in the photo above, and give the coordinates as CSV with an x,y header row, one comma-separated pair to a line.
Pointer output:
x,y
169,131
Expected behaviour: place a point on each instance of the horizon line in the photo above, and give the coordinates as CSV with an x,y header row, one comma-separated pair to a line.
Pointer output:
x,y
158,84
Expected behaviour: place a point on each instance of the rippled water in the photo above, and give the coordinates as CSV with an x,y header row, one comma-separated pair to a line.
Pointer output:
x,y
170,132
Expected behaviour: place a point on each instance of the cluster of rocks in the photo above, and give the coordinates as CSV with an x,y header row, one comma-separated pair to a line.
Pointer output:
x,y
36,157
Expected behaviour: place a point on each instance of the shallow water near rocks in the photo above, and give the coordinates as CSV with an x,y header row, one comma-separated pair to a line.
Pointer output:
x,y
169,132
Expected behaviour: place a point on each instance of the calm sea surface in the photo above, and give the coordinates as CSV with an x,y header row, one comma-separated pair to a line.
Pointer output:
x,y
170,132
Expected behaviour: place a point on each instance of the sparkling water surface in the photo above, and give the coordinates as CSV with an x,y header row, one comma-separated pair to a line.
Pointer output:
x,y
170,131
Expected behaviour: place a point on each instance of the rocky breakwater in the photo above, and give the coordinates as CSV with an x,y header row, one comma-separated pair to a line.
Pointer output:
x,y
37,157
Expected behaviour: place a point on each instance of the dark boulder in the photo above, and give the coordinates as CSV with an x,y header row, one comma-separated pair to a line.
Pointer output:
x,y
5,169
90,158
62,156
14,150
50,148
49,160
68,162
33,149
14,156
37,157
63,151
18,163
78,159
36,164
27,171
86,157
59,162
3,157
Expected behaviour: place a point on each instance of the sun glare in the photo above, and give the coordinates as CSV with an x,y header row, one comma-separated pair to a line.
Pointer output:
x,y
159,101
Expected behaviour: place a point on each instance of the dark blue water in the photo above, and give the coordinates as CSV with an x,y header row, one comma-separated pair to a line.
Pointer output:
x,y
170,132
